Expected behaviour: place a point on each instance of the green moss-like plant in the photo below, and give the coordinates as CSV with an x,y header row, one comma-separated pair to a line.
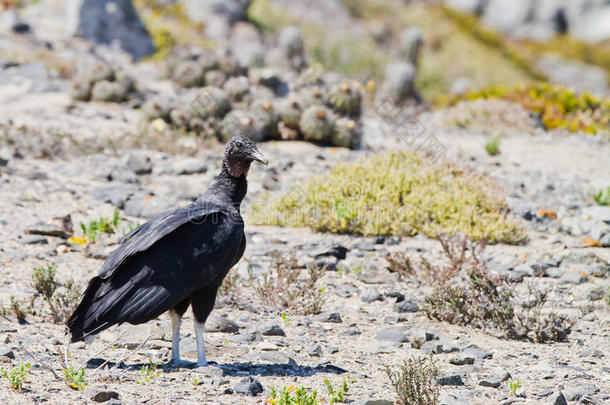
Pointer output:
x,y
397,193
557,106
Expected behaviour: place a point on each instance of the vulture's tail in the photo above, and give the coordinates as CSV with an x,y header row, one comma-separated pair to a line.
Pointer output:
x,y
82,324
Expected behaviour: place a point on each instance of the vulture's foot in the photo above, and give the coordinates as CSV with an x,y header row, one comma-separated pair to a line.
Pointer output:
x,y
177,363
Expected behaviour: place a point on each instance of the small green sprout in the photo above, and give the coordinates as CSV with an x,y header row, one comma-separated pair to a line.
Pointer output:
x,y
337,395
285,318
16,375
492,147
148,373
514,386
75,379
602,197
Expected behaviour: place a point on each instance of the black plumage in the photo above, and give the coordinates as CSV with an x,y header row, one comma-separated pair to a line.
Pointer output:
x,y
178,258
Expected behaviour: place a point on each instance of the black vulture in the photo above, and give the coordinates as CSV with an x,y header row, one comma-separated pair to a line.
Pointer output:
x,y
178,258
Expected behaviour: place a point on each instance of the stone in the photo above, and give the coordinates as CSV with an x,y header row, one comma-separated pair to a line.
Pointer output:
x,y
601,232
6,352
203,11
374,402
271,329
314,350
249,386
572,277
146,205
453,399
122,175
506,16
557,398
332,317
370,295
465,6
34,240
453,380
104,395
139,164
392,335
406,306
461,360
217,323
495,380
181,165
277,358
439,346
110,21
115,195
40,228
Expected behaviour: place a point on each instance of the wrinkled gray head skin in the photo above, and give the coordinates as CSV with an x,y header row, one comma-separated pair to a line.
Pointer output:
x,y
239,153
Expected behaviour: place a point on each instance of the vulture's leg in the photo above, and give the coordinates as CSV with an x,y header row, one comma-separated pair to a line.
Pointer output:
x,y
203,303
176,316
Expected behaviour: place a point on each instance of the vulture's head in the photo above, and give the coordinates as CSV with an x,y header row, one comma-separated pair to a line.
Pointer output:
x,y
240,152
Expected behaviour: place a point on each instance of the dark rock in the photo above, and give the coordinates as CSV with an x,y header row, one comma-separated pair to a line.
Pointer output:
x,y
122,175
271,329
41,228
106,21
406,306
370,295
6,352
557,399
248,337
332,317
392,335
453,380
337,251
217,323
476,352
34,240
314,350
495,380
439,346
104,395
461,360
249,386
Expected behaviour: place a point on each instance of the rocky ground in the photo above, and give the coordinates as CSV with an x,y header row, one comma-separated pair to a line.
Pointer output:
x,y
65,162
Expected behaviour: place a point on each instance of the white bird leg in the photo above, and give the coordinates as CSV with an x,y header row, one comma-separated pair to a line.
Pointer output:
x,y
176,322
201,361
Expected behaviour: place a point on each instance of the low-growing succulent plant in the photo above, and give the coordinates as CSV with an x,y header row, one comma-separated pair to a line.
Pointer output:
x,y
158,107
292,47
80,89
188,74
125,79
181,117
313,95
290,111
215,78
317,123
241,122
347,134
312,76
345,99
265,113
237,87
211,102
108,91
101,71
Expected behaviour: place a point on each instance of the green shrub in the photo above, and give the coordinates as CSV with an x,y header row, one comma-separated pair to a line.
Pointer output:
x,y
602,197
337,395
75,379
415,381
16,375
95,228
148,373
292,396
492,147
397,193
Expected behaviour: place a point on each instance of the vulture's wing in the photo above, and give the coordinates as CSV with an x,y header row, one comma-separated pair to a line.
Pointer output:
x,y
146,235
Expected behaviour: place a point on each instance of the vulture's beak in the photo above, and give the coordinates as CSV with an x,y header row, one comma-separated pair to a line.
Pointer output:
x,y
256,155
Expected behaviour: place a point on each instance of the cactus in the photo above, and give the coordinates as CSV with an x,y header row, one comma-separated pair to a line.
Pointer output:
x,y
290,111
181,117
241,122
312,96
317,124
215,78
345,99
108,91
125,79
80,90
211,102
188,74
399,81
347,134
101,71
411,41
158,107
237,87
291,44
266,114
312,76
